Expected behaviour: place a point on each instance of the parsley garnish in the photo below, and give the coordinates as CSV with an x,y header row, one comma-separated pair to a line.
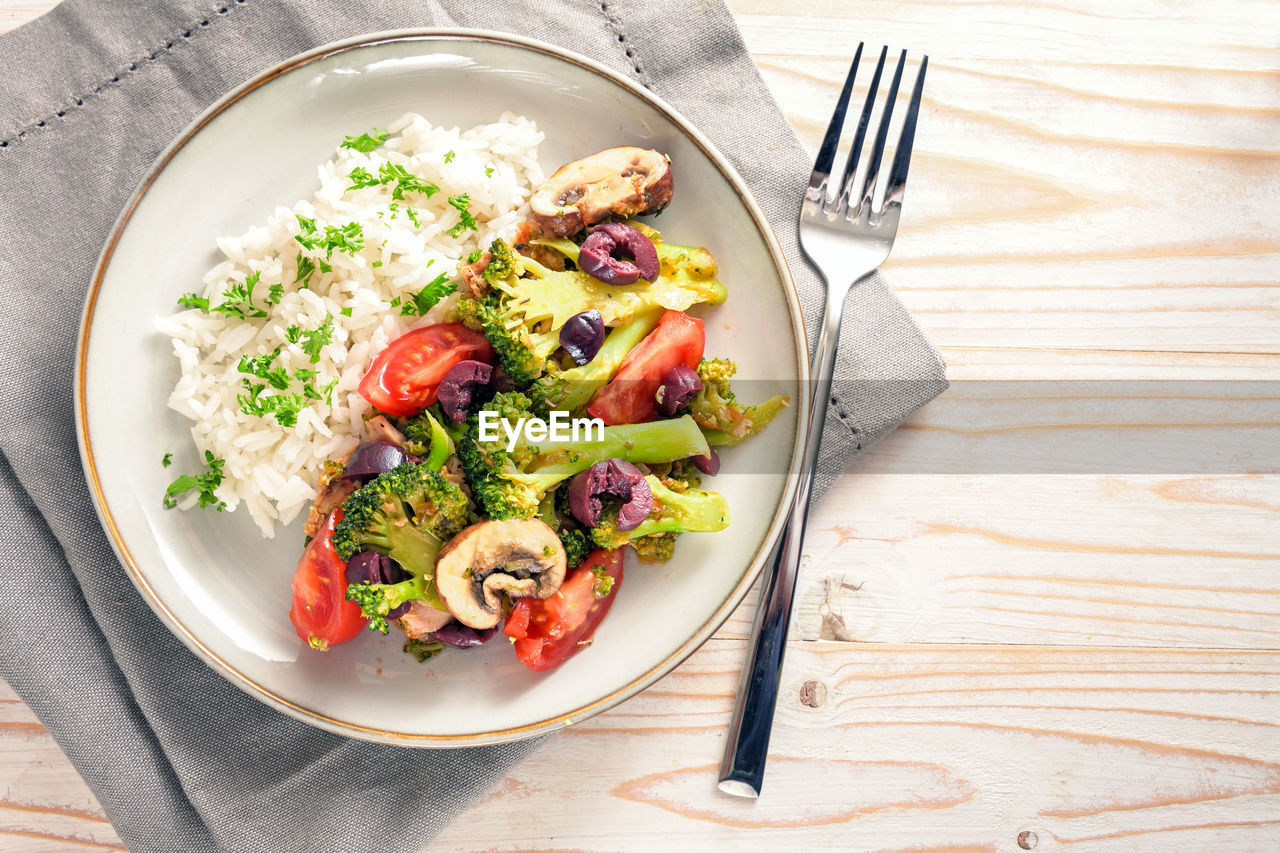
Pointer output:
x,y
361,177
260,366
603,583
283,407
238,299
366,142
448,156
190,300
167,460
488,173
413,216
424,300
474,256
466,221
345,312
204,484
347,238
405,181
315,340
306,268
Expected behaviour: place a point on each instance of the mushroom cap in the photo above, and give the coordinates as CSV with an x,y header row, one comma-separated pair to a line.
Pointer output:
x,y
623,181
518,558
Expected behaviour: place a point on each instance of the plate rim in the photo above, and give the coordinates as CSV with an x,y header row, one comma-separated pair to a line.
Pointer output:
x,y
347,727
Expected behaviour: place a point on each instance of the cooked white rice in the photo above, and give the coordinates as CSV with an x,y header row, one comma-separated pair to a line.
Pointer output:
x,y
272,469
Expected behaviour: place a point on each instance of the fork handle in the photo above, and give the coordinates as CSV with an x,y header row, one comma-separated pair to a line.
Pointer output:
x,y
742,770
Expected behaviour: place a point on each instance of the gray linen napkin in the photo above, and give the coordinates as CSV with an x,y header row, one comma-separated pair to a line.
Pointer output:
x,y
93,91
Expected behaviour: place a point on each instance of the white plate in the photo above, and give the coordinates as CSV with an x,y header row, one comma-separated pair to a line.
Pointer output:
x,y
224,590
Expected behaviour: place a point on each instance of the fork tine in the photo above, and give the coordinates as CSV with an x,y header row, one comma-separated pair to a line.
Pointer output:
x,y
851,168
827,153
877,152
902,158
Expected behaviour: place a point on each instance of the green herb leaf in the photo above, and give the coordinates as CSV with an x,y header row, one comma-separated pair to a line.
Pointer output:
x,y
405,181
474,256
167,460
204,484
424,300
306,268
315,340
448,156
366,142
488,173
190,300
345,312
238,299
361,177
466,221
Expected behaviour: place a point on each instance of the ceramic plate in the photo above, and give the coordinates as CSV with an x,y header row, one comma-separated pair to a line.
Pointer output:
x,y
221,587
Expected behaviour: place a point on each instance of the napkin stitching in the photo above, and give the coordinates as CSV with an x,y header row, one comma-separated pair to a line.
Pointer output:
x,y
616,27
78,101
843,416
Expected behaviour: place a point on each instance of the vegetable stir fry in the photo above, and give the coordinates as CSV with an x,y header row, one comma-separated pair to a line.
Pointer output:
x,y
472,507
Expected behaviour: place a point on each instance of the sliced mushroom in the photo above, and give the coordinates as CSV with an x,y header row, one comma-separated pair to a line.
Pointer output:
x,y
493,559
378,428
617,181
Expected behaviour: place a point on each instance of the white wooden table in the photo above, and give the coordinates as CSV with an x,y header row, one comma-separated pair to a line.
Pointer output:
x,y
980,661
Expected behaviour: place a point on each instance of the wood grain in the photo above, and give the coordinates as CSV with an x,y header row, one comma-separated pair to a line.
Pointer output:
x,y
1089,658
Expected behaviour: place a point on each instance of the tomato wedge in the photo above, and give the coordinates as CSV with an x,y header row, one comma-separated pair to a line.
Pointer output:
x,y
549,632
321,614
403,379
629,399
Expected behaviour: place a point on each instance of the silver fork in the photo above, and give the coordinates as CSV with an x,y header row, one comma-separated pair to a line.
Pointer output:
x,y
846,240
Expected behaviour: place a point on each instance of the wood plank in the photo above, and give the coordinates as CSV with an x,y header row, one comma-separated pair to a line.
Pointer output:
x,y
911,747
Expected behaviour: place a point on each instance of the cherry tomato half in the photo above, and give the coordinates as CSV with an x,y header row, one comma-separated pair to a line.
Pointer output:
x,y
629,397
321,614
404,377
549,632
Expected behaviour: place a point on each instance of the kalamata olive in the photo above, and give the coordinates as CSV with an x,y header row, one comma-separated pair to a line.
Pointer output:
x,y
599,255
677,389
376,568
373,567
458,387
614,477
582,335
371,459
463,636
709,464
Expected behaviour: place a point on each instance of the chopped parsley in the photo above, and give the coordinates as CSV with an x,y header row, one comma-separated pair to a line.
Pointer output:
x,y
306,268
405,181
203,484
345,312
424,300
238,299
274,294
313,341
347,238
474,256
362,177
603,583
448,156
190,300
488,173
366,142
413,216
466,221
374,264
167,460
283,407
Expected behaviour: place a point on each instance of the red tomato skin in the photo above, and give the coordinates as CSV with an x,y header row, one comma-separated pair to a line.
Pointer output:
x,y
320,609
403,379
549,632
629,398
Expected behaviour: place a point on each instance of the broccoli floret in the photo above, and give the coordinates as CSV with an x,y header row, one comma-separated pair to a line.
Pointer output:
x,y
689,511
407,514
577,546
724,420
512,484
570,390
504,263
523,310
428,439
423,650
